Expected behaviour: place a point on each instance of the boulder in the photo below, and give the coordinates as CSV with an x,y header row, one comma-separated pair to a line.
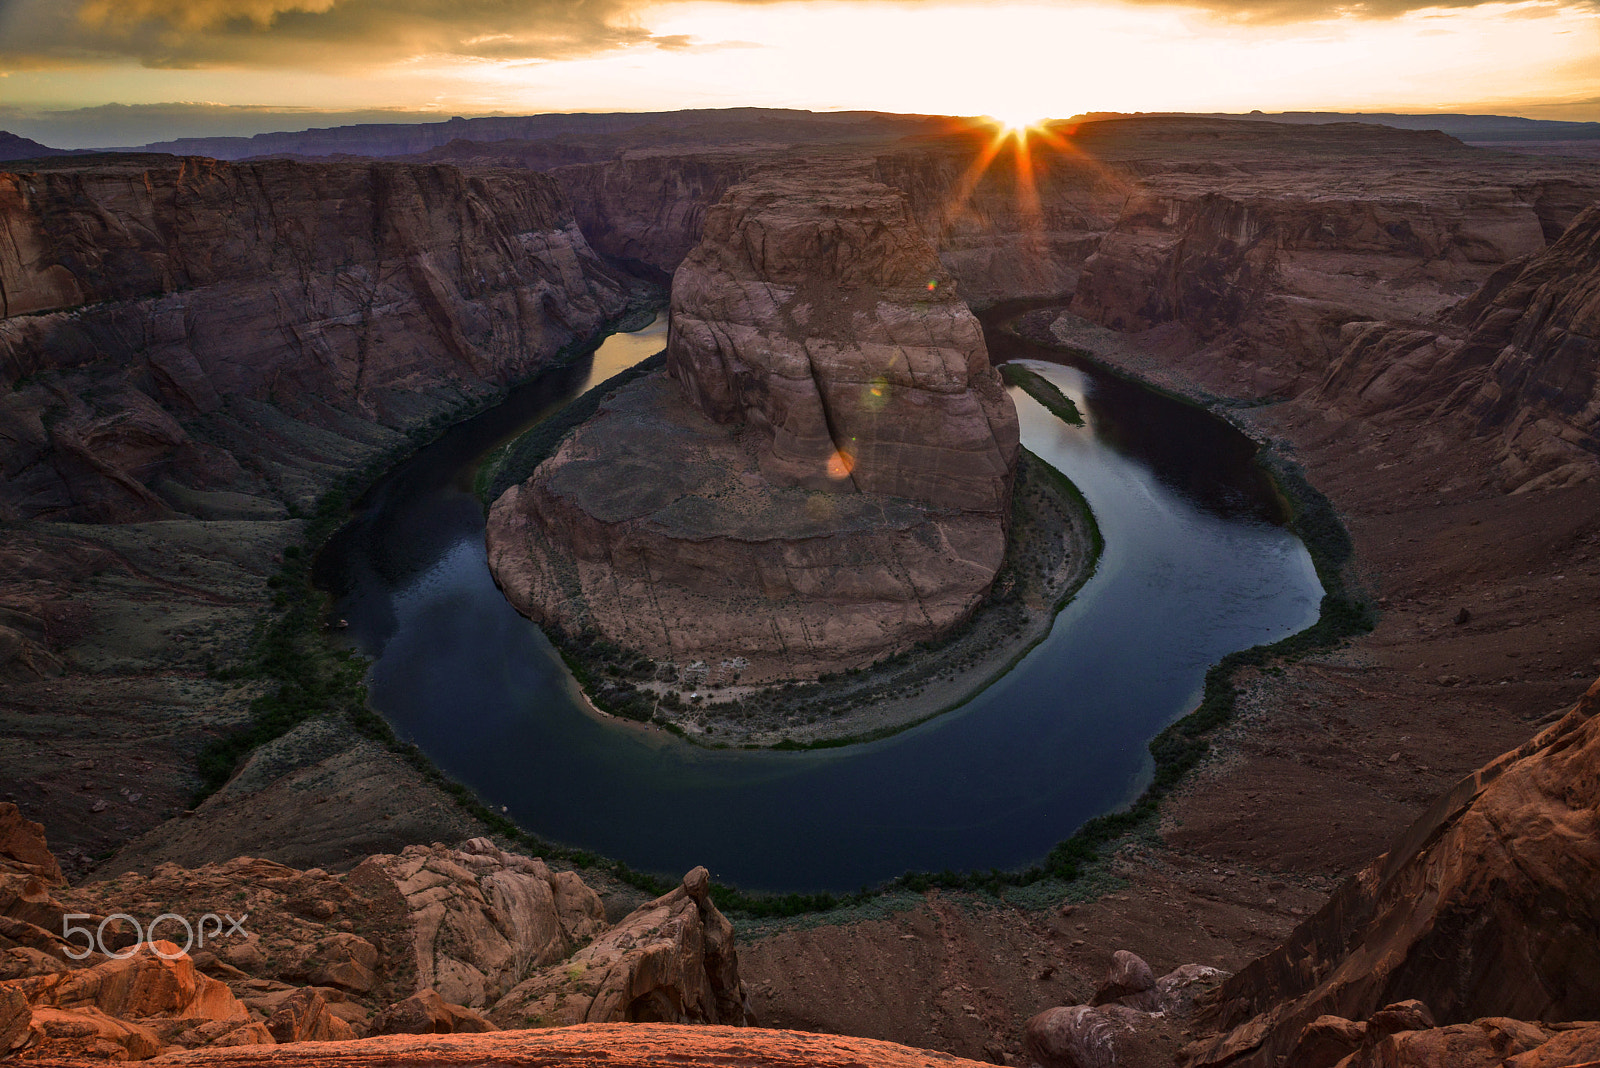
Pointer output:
x,y
1578,1044
482,917
426,1013
251,1034
343,960
1409,1015
90,1034
304,1017
1079,1036
144,984
15,1015
672,960
1326,1041
1179,988
23,849
1130,981
1486,1043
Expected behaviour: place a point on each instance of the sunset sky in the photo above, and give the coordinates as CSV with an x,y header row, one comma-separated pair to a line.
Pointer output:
x,y
185,67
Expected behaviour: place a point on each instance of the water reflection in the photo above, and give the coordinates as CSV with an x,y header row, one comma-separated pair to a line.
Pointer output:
x,y
1193,569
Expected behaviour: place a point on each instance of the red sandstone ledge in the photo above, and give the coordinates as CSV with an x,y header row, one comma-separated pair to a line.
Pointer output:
x,y
600,1045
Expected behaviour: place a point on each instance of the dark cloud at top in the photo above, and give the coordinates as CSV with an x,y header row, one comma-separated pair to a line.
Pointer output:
x,y
327,34
345,34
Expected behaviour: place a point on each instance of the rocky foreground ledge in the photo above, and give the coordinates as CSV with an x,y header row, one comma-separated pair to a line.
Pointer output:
x,y
594,1046
824,480
430,940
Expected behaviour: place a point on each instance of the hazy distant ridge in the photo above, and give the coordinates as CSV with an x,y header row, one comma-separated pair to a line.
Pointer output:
x,y
404,139
1462,127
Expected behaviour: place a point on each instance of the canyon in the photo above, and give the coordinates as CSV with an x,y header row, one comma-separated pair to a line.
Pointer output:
x,y
1411,320
824,481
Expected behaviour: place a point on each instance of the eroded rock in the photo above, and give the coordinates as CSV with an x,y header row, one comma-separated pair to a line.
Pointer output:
x,y
1079,1036
1484,907
825,481
672,960
483,917
426,1013
304,1017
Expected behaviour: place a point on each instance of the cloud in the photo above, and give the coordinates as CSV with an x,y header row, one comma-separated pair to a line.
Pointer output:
x,y
688,42
345,35
1284,11
317,34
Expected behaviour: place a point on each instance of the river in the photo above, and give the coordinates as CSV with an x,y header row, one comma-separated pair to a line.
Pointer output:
x,y
1197,564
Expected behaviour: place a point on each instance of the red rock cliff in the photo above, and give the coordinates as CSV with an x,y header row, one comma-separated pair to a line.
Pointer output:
x,y
144,291
1486,907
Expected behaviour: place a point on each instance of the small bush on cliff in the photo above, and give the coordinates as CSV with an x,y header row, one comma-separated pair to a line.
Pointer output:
x,y
1042,390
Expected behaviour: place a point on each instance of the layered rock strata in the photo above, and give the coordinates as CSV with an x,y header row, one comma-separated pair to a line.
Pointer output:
x,y
1484,908
594,1046
824,480
156,312
1519,361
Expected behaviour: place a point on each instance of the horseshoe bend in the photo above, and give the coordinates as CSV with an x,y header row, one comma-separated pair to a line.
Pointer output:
x,y
822,475
1371,843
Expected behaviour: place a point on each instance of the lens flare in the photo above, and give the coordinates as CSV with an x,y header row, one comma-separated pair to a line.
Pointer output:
x,y
840,464
1018,123
876,395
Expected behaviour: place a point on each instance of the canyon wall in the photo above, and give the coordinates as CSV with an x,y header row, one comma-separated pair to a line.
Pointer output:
x,y
824,480
157,310
1267,281
1518,361
649,211
1012,226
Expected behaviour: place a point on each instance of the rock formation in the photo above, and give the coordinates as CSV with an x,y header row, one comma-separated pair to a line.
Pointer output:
x,y
1116,1029
141,294
813,311
670,961
1518,361
826,481
414,943
592,1046
1486,907
481,918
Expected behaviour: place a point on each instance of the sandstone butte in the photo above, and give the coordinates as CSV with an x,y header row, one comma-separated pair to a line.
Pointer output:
x,y
823,480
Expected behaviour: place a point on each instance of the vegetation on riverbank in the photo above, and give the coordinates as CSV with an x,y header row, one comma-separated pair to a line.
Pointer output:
x,y
1042,390
515,462
311,678
1053,548
301,673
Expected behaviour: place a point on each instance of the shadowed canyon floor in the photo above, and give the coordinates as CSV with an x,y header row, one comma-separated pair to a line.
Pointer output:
x,y
1229,261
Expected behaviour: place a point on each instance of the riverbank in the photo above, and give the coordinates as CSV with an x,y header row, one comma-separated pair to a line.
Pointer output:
x,y
1052,551
185,678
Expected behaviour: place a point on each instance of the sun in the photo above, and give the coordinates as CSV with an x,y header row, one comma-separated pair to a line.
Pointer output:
x,y
1017,122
